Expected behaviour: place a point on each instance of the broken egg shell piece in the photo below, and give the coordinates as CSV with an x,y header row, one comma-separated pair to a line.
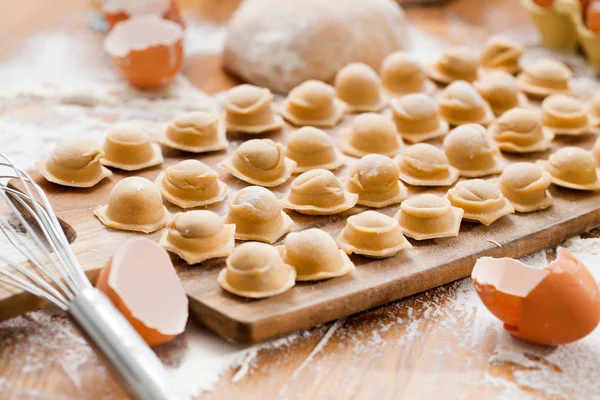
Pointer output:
x,y
554,305
258,215
318,192
195,132
501,91
520,130
460,104
371,134
470,151
574,168
74,163
256,270
135,204
545,77
481,201
372,234
456,63
147,50
158,308
260,162
501,53
401,74
313,103
525,185
130,149
314,255
191,183
375,178
198,235
428,216
565,115
312,148
423,164
359,86
249,109
417,119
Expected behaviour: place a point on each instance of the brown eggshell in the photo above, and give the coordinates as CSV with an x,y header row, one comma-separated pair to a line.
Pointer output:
x,y
116,11
592,16
557,304
142,283
147,50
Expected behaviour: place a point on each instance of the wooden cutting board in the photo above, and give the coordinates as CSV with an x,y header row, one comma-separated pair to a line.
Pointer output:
x,y
374,282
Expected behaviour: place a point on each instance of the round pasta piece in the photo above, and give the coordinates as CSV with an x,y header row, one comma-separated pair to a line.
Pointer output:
x,y
375,178
501,91
428,216
520,130
249,109
260,162
318,192
198,235
74,163
501,53
358,86
593,108
401,74
372,234
573,168
456,63
191,183
545,77
417,119
596,151
565,115
371,133
470,151
313,103
256,270
311,148
480,200
130,149
425,165
135,204
525,185
257,215
194,132
461,104
314,255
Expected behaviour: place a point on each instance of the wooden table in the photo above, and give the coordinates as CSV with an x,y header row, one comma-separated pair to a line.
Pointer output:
x,y
411,349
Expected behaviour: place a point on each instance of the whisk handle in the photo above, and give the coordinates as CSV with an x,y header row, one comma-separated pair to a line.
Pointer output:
x,y
140,369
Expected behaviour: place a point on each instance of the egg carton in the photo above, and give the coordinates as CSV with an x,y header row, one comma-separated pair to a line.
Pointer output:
x,y
561,27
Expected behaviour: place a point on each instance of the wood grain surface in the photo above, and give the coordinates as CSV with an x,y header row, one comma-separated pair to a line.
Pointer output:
x,y
415,370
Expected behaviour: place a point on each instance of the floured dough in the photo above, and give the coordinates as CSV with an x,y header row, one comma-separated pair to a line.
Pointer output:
x,y
525,185
318,192
358,86
423,164
130,149
312,148
417,118
195,132
260,162
257,215
314,255
565,115
372,234
371,133
461,104
520,130
279,44
481,201
428,216
501,91
375,178
401,74
74,163
545,77
135,204
470,151
198,235
456,63
191,183
313,103
256,270
250,109
573,168
501,53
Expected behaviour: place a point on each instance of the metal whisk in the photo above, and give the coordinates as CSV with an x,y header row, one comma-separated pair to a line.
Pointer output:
x,y
55,275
